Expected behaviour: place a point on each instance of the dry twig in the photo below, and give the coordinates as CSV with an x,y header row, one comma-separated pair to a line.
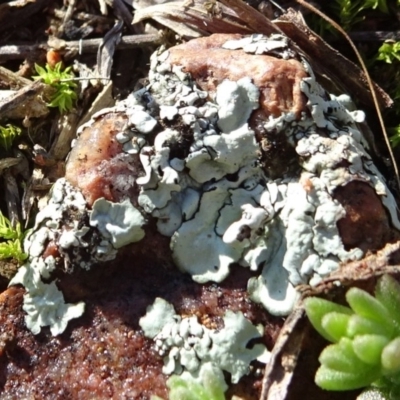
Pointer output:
x,y
22,51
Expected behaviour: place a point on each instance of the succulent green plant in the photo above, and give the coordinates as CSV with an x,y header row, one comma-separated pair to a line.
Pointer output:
x,y
8,134
189,389
365,336
11,240
62,80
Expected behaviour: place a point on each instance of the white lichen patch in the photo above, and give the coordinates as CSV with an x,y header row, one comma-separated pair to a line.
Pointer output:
x,y
46,307
142,121
44,303
238,214
275,44
188,346
61,222
194,236
236,101
206,184
121,223
222,154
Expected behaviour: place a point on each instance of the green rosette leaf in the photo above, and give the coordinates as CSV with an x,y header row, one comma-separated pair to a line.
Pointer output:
x,y
368,348
387,291
213,386
335,324
181,389
341,357
359,325
365,305
330,379
390,358
317,308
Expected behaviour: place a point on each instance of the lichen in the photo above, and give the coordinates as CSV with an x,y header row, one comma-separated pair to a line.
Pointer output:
x,y
288,230
121,223
236,101
60,222
186,345
205,183
44,302
276,44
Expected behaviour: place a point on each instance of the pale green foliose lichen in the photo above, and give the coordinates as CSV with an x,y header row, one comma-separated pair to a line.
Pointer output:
x,y
238,214
261,44
204,184
44,303
121,223
189,347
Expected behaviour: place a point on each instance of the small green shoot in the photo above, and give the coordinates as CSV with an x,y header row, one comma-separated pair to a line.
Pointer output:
x,y
8,134
394,135
62,81
11,240
346,12
349,11
389,52
366,336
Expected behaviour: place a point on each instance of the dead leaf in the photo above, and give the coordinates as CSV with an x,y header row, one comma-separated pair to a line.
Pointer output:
x,y
344,73
26,102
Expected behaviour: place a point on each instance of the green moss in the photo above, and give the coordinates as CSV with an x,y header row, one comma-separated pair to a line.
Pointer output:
x,y
62,80
389,52
387,59
8,134
348,13
11,240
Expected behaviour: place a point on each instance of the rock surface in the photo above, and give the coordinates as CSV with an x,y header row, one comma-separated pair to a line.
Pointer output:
x,y
279,199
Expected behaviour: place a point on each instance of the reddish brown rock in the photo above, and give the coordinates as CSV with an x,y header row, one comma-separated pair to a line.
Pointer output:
x,y
98,166
366,224
103,354
278,81
209,64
